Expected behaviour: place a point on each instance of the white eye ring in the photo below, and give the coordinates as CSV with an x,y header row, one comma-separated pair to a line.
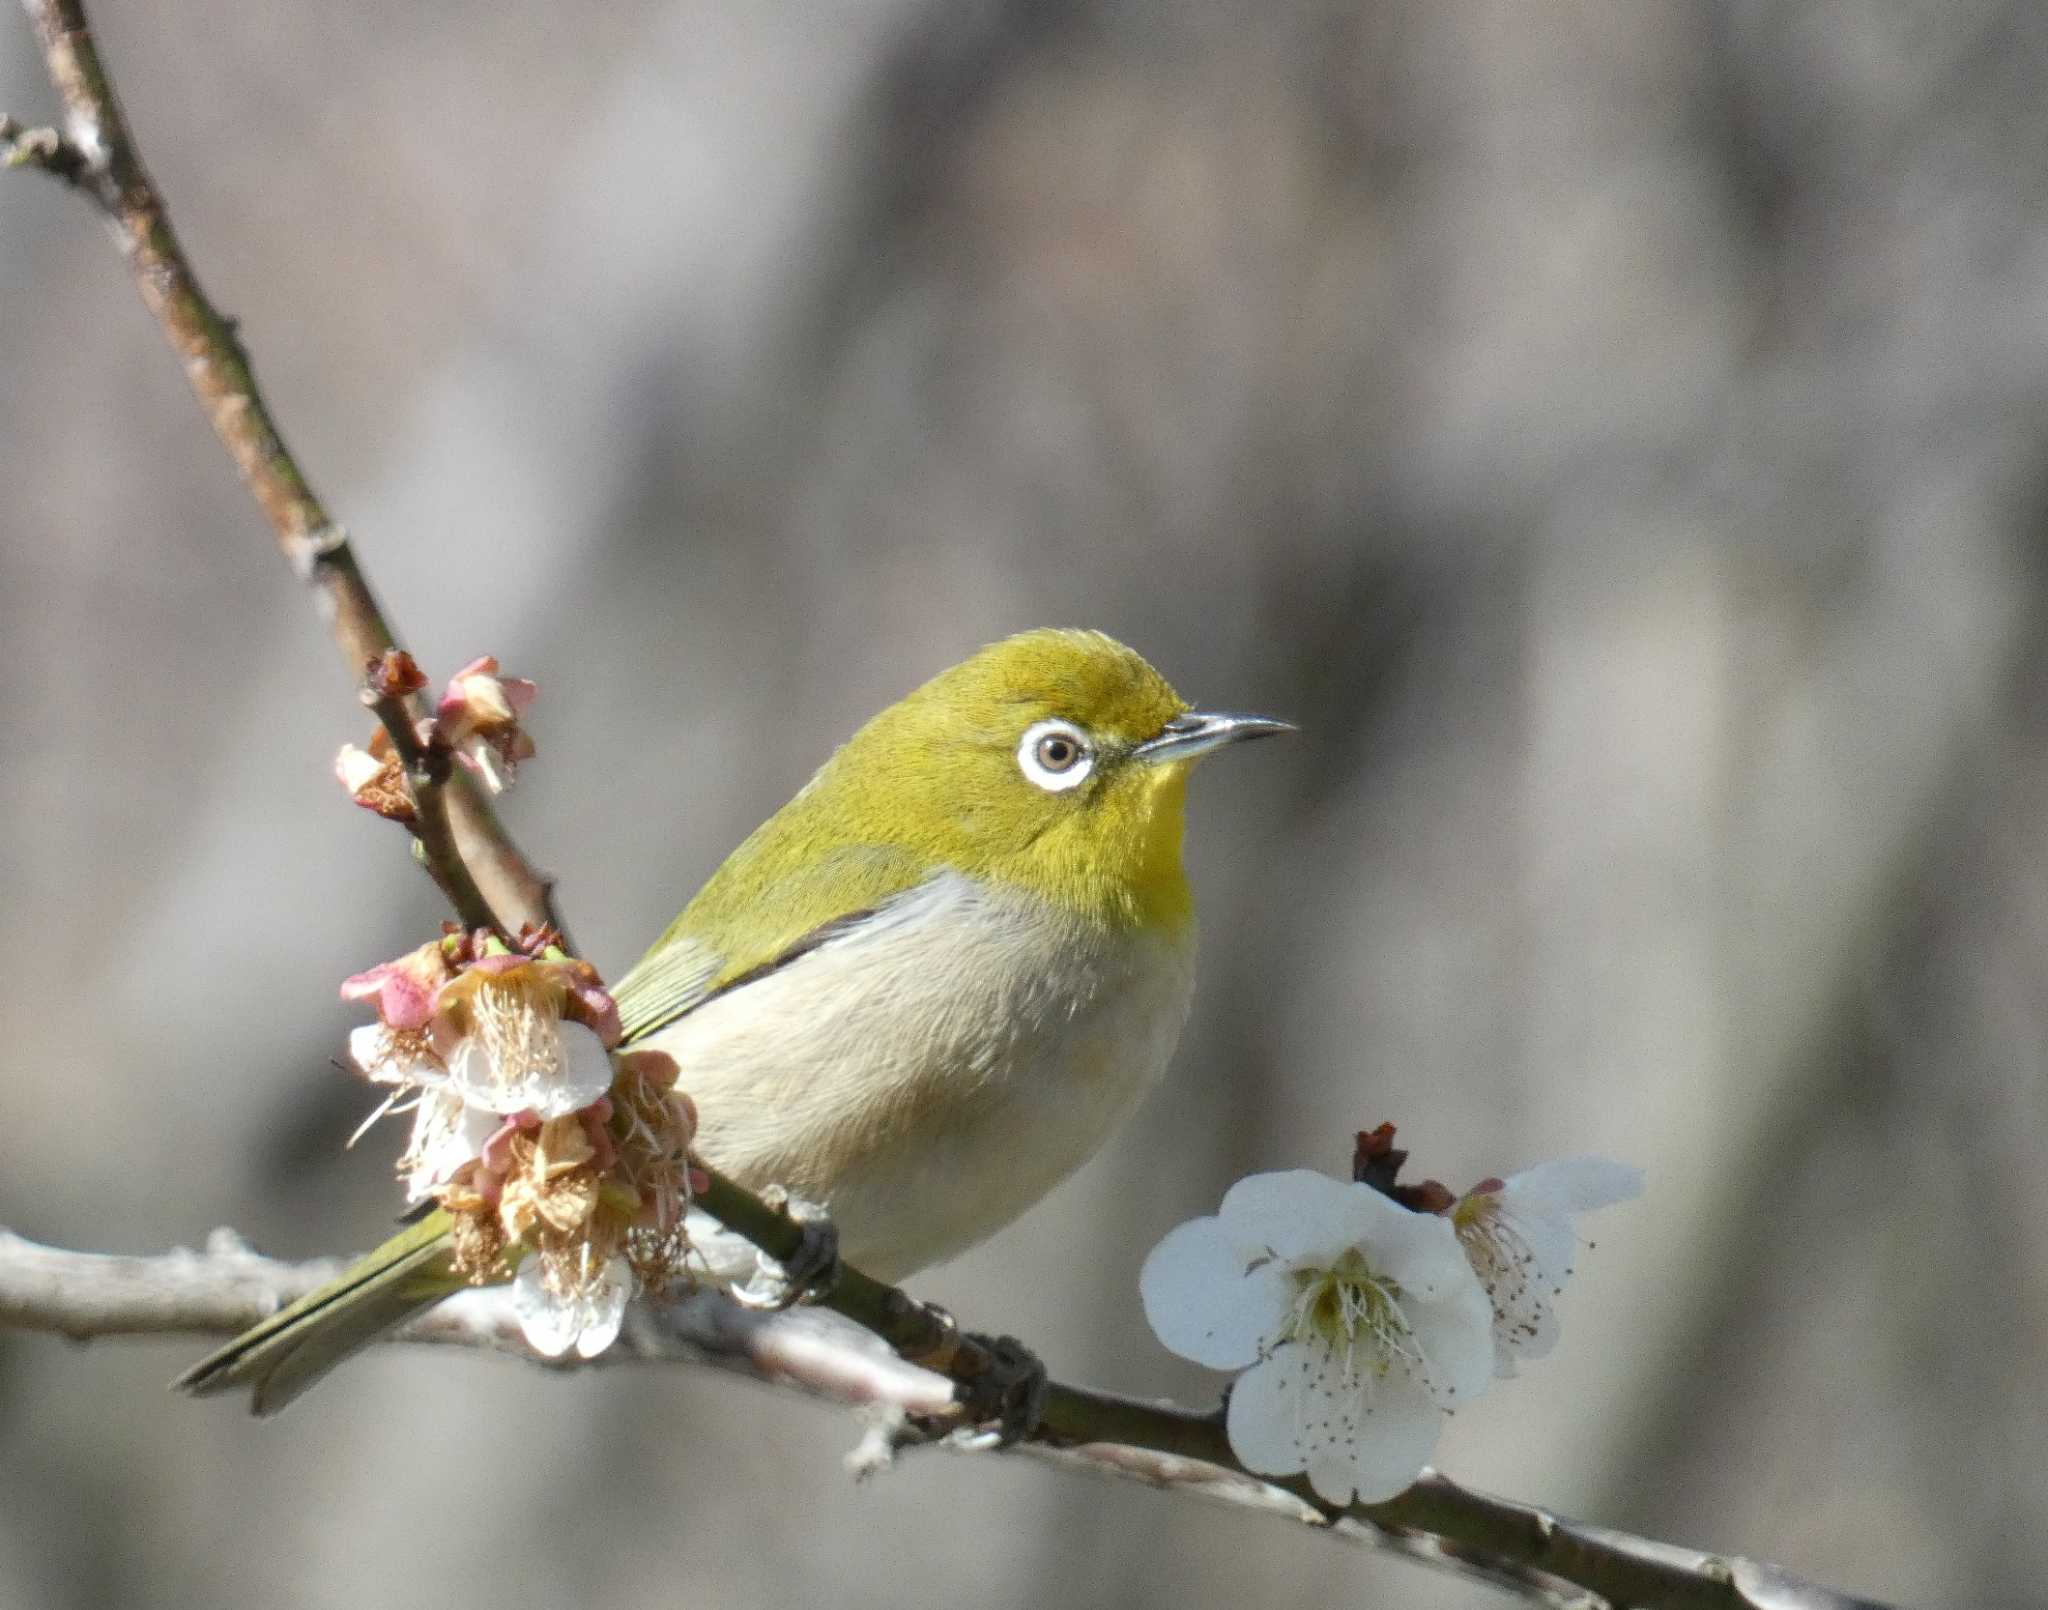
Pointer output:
x,y
1056,755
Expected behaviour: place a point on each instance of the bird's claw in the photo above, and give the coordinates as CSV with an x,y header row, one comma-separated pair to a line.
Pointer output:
x,y
809,1274
1007,1400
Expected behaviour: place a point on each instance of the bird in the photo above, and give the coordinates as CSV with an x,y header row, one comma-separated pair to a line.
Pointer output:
x,y
918,996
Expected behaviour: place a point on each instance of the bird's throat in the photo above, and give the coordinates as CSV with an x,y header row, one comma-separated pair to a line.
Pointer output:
x,y
1119,867
1159,883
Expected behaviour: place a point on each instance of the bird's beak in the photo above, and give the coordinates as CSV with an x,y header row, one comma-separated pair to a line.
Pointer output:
x,y
1199,731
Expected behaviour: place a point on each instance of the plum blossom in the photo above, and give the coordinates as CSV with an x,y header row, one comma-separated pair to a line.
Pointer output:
x,y
579,1202
1519,1236
585,1316
475,1047
528,1034
375,778
479,718
1357,1323
446,1133
557,1161
404,990
506,1033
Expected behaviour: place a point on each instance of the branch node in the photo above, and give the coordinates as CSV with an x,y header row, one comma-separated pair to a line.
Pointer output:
x,y
306,551
48,151
226,1242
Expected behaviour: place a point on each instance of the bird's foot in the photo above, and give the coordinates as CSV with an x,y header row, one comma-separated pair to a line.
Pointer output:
x,y
809,1274
1006,1401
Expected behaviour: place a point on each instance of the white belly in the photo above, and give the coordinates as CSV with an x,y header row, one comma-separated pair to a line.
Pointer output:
x,y
931,1074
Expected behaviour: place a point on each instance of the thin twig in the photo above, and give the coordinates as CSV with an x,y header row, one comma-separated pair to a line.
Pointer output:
x,y
917,1331
1435,1516
429,767
1518,1546
97,154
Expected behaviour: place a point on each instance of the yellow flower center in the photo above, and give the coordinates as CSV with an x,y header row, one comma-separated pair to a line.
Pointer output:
x,y
1354,1312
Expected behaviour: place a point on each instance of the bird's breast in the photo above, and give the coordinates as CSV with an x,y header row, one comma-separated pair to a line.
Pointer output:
x,y
933,1072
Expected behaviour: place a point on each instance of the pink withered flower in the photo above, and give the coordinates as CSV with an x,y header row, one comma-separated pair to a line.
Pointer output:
x,y
587,1207
479,718
404,990
375,778
559,1163
468,1045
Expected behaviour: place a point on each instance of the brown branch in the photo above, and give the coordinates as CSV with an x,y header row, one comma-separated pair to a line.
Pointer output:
x,y
917,1331
1517,1546
429,768
97,155
1499,1538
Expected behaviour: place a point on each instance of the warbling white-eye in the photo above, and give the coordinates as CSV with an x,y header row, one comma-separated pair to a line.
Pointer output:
x,y
920,995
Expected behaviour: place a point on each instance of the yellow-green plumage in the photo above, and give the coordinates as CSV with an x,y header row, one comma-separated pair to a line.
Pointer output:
x,y
932,782
297,1345
921,993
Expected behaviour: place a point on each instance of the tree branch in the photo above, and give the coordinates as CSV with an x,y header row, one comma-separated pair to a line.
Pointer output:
x,y
428,770
229,1287
96,154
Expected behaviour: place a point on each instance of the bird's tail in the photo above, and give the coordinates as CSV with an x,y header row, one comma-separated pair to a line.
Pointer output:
x,y
295,1347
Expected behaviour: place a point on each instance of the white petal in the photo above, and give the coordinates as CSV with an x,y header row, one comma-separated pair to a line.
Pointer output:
x,y
471,1076
1398,1430
372,1048
586,1070
604,1309
1572,1185
584,1073
446,1133
1297,1214
1527,1330
1419,1252
1549,1240
1273,1404
1366,1434
551,1325
1523,1260
1455,1333
1203,1301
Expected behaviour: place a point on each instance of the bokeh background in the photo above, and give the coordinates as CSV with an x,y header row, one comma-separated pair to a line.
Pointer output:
x,y
1618,433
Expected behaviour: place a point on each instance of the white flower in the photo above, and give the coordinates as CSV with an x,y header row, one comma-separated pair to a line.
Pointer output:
x,y
1361,1324
446,1133
446,1130
538,1064
512,1052
1519,1235
584,1315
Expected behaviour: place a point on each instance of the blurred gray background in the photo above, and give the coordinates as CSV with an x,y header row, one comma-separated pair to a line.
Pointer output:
x,y
1618,433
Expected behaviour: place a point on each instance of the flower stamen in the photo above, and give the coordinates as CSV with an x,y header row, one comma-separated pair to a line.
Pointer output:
x,y
1349,1309
383,1108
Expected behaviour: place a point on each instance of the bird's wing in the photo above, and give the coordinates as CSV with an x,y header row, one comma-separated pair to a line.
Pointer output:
x,y
743,926
664,984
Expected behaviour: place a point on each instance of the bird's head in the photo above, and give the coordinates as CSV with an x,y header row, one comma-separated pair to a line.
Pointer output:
x,y
1054,762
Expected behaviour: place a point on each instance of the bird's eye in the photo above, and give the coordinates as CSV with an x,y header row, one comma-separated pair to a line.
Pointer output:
x,y
1055,755
1056,751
